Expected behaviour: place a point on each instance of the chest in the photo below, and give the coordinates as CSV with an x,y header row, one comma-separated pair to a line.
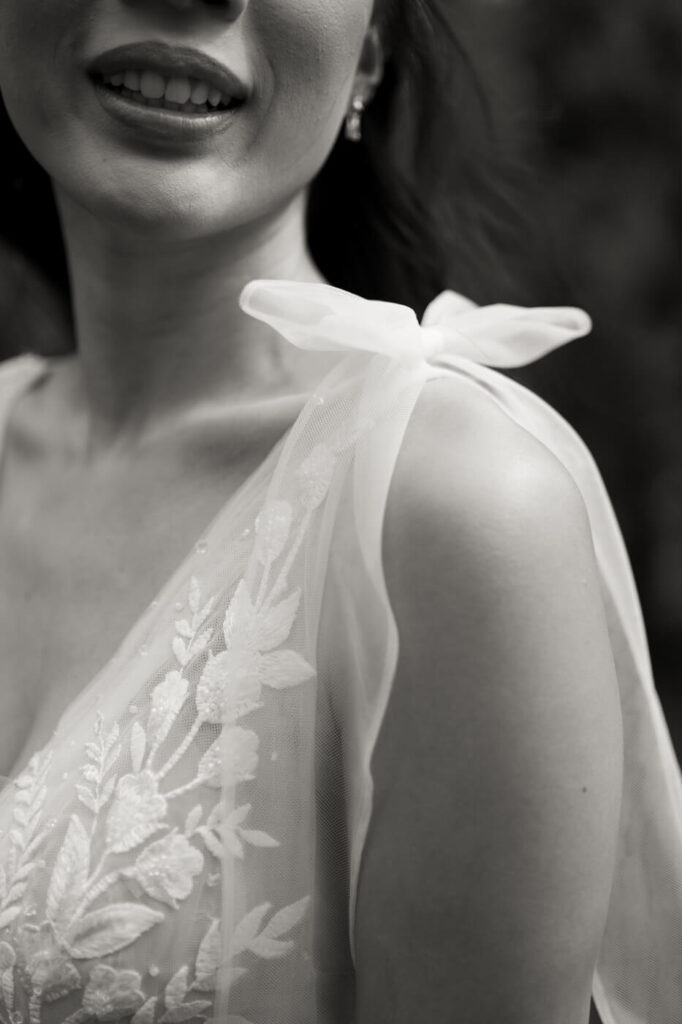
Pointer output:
x,y
82,555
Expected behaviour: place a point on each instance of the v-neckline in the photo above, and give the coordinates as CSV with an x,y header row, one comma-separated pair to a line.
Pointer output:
x,y
143,624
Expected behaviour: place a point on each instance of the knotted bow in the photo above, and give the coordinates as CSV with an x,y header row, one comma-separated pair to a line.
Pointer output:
x,y
321,317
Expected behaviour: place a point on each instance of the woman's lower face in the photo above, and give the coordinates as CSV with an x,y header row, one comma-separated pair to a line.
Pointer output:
x,y
134,129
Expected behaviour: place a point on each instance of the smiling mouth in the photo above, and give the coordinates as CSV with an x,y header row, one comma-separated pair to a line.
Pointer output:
x,y
179,94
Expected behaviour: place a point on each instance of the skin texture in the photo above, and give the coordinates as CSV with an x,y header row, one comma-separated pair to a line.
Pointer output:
x,y
500,754
498,769
116,462
161,237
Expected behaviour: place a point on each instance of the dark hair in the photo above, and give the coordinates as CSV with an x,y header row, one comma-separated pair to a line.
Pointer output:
x,y
427,200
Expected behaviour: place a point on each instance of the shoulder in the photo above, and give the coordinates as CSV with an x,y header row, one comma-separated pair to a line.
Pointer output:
x,y
467,468
497,768
489,559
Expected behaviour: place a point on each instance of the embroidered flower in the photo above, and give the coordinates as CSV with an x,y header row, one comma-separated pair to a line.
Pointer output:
x,y
167,700
44,964
315,474
166,869
111,994
232,758
229,686
135,813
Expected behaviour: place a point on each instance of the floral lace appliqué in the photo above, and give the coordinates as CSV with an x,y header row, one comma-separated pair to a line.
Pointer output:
x,y
124,801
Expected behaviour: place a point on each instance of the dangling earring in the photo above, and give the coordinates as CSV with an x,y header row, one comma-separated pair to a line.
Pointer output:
x,y
354,119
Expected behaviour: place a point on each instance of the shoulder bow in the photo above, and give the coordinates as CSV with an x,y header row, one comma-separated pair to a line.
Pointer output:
x,y
324,318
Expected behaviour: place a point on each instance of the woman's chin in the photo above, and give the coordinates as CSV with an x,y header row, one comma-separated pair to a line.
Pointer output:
x,y
165,205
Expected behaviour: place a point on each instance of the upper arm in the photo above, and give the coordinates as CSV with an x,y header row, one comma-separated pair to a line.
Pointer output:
x,y
487,870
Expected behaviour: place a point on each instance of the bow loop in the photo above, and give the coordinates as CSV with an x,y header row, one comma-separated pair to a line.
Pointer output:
x,y
321,317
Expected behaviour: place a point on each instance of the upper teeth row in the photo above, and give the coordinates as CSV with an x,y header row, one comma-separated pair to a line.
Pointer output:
x,y
177,90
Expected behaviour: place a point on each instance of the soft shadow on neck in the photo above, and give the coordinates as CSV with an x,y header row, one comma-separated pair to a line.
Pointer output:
x,y
159,330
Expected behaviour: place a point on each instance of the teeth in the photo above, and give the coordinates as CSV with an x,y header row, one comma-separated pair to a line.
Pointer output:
x,y
177,93
178,90
200,93
152,86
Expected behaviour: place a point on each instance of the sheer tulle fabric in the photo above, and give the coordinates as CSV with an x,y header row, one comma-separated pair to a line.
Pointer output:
x,y
188,843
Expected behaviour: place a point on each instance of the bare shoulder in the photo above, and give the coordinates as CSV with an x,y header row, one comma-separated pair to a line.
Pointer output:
x,y
498,765
463,454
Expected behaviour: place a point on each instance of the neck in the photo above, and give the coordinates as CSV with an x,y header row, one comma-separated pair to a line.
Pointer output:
x,y
158,326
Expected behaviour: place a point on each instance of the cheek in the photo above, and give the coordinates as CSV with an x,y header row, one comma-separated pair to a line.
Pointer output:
x,y
311,50
35,38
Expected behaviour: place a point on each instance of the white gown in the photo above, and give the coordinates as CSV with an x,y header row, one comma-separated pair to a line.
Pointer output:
x,y
181,849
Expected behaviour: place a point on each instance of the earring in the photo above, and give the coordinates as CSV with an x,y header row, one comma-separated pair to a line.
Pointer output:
x,y
354,119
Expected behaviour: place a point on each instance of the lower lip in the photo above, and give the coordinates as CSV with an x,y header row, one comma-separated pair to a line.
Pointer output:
x,y
160,123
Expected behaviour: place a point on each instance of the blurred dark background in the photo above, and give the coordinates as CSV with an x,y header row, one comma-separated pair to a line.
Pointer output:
x,y
589,96
590,93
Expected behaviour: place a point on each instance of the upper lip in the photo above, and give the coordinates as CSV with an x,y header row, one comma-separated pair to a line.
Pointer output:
x,y
170,62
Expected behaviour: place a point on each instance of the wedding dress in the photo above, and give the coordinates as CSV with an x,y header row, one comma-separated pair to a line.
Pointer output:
x,y
187,844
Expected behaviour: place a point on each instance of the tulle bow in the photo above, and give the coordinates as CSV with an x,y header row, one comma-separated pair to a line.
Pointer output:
x,y
321,317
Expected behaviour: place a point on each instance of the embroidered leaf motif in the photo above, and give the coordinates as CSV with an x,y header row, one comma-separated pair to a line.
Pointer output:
x,y
8,957
273,524
212,843
167,700
202,641
86,797
258,630
229,687
103,756
30,793
284,920
111,749
232,833
176,989
180,651
284,669
273,627
230,759
107,790
69,875
110,929
268,943
138,744
257,838
247,929
208,958
7,984
314,476
193,819
145,1015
